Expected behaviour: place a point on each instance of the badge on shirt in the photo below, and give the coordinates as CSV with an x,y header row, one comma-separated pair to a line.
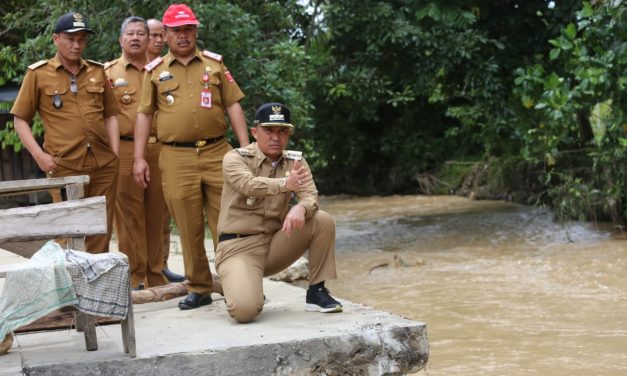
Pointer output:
x,y
229,76
205,93
56,101
293,154
120,82
165,75
205,98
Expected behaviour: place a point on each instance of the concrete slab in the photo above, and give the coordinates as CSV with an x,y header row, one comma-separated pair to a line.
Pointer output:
x,y
284,340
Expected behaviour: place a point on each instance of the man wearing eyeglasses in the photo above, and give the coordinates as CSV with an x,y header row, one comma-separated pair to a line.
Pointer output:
x,y
192,91
78,110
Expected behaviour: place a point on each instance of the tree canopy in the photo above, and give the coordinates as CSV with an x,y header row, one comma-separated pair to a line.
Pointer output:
x,y
381,91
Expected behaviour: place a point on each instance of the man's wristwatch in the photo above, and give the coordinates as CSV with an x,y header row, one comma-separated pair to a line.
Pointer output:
x,y
283,184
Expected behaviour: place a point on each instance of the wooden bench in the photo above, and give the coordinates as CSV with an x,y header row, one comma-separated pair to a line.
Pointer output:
x,y
24,230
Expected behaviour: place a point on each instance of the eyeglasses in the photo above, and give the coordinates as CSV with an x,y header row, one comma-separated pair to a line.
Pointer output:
x,y
73,86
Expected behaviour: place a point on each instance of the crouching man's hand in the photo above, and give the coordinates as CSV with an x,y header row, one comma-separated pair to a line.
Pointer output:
x,y
294,219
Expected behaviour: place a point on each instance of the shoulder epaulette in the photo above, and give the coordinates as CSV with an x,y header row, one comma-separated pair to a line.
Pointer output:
x,y
150,66
245,152
293,154
109,64
95,62
38,64
212,55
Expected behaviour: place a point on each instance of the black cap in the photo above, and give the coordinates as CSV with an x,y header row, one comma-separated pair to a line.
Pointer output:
x,y
273,115
72,22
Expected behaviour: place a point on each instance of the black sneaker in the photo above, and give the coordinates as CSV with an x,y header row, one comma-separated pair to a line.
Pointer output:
x,y
319,300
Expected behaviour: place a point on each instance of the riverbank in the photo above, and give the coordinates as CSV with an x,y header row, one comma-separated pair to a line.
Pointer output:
x,y
505,289
284,340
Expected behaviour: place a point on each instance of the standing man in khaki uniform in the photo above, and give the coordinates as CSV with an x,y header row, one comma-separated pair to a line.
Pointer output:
x,y
156,42
138,211
260,234
192,90
156,39
78,110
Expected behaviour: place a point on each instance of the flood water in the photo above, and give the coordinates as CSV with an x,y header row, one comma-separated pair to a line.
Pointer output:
x,y
503,289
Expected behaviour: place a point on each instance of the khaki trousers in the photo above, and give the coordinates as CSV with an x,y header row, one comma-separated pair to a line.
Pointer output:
x,y
102,182
192,185
166,233
138,218
242,263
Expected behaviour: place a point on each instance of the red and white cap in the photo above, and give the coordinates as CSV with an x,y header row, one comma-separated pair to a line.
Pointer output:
x,y
179,15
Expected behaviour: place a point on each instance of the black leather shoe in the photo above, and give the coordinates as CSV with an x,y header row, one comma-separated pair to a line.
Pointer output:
x,y
195,300
171,276
138,288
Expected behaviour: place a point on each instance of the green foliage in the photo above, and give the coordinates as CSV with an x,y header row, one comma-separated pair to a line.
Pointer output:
x,y
383,91
576,100
253,36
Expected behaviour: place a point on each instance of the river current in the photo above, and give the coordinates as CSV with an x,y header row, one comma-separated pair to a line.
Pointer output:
x,y
503,288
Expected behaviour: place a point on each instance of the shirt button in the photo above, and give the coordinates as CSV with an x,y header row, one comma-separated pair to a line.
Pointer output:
x,y
189,82
191,95
195,125
194,111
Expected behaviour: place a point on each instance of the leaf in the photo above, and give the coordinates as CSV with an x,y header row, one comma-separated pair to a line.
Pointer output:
x,y
571,31
587,10
555,53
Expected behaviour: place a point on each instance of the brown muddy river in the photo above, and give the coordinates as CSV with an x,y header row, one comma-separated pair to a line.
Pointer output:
x,y
503,289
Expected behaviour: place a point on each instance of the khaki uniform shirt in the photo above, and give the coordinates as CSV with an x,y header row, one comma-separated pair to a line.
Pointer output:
x,y
184,119
126,81
78,124
253,200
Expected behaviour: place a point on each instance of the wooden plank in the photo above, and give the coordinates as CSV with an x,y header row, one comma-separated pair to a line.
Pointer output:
x,y
33,185
25,249
6,344
91,340
170,291
62,219
128,326
60,320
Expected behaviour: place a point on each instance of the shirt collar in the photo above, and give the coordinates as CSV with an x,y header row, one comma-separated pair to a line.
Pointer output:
x,y
125,63
260,157
170,58
56,63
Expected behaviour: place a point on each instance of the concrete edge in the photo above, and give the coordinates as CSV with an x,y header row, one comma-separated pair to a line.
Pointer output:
x,y
373,350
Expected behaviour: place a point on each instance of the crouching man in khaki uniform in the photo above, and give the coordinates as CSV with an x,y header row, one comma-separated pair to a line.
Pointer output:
x,y
260,234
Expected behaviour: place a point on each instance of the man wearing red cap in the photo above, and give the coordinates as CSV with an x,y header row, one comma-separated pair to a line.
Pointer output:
x,y
78,110
192,90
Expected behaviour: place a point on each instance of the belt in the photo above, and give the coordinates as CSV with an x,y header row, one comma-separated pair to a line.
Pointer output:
x,y
151,139
194,144
225,237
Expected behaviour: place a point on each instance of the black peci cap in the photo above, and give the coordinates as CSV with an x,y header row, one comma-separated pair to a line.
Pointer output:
x,y
273,115
72,22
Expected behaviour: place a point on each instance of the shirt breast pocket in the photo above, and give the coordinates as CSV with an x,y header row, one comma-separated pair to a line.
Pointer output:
x,y
126,95
168,91
95,88
213,80
55,96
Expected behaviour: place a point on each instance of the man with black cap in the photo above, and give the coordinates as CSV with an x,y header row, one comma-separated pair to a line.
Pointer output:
x,y
78,110
192,90
260,234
